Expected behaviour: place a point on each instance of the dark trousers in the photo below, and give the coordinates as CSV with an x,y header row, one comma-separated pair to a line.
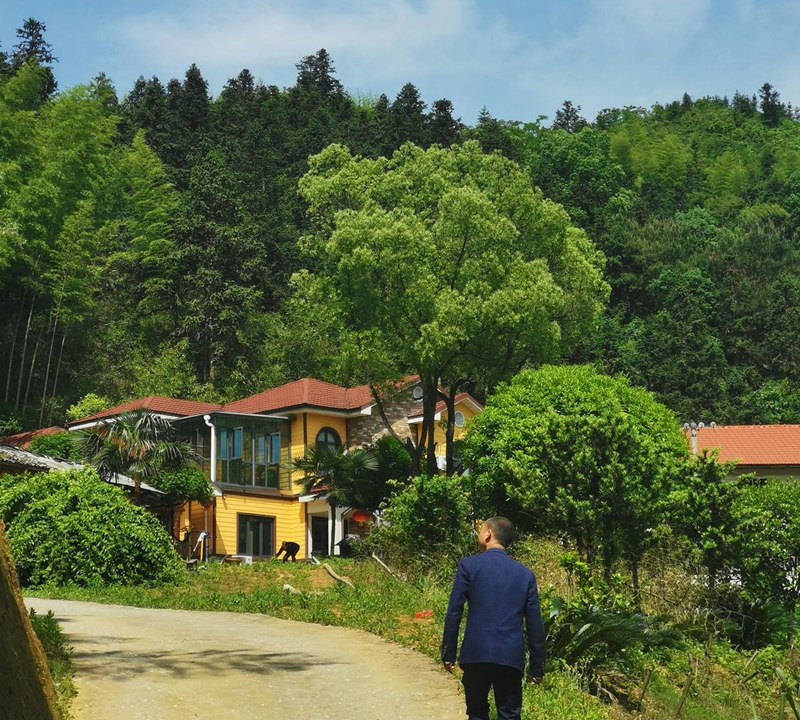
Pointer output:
x,y
480,678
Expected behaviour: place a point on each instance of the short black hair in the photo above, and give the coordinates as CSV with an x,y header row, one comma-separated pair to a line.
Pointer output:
x,y
502,529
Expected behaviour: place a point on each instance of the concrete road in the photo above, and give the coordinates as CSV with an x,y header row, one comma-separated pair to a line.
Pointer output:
x,y
139,664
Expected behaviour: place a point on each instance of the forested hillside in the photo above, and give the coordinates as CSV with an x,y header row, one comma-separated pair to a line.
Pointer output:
x,y
148,239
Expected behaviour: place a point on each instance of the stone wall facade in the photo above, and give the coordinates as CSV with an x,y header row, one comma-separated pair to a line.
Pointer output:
x,y
366,429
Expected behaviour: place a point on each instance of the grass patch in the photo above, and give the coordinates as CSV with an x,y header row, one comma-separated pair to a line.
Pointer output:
x,y
59,657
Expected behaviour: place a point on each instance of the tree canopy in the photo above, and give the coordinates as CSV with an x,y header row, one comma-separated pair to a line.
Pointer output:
x,y
567,450
156,232
447,263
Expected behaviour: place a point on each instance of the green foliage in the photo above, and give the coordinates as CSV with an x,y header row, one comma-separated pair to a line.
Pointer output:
x,y
768,527
180,486
70,527
344,476
59,657
445,262
61,445
605,647
139,443
701,510
426,521
567,450
88,405
745,535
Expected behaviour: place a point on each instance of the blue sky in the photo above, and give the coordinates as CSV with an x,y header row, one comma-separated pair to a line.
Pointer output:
x,y
519,59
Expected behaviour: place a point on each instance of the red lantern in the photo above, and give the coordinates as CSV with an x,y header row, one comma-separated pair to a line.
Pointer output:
x,y
361,516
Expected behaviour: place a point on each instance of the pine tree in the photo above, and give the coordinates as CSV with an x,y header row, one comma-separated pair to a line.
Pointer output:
x,y
31,45
568,118
443,128
771,108
408,116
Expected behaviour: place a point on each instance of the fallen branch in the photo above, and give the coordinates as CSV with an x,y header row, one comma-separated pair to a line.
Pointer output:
x,y
336,577
386,567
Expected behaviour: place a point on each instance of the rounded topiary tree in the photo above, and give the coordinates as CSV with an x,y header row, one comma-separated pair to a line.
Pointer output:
x,y
570,451
71,527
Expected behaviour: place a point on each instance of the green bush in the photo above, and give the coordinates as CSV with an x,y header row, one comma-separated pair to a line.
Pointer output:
x,y
570,452
88,405
427,521
70,527
61,445
184,485
605,646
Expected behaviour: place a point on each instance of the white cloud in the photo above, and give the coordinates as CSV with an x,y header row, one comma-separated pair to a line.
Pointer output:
x,y
652,18
249,33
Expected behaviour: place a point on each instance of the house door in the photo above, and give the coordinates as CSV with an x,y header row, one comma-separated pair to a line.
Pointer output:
x,y
320,535
256,536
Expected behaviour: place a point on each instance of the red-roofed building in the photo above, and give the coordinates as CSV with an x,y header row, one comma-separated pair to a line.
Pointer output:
x,y
23,440
167,407
248,446
766,450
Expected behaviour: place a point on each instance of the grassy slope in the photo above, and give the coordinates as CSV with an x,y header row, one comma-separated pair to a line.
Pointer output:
x,y
385,606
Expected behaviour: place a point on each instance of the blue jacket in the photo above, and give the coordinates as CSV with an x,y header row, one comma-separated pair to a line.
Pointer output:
x,y
500,593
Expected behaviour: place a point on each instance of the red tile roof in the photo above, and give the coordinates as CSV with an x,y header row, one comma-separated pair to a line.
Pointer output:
x,y
753,444
23,440
306,391
156,404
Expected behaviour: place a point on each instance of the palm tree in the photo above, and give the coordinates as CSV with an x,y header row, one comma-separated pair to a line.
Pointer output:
x,y
340,473
140,444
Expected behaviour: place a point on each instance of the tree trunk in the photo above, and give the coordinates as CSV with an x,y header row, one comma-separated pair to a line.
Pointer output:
x,y
13,345
637,595
55,381
450,402
333,526
47,371
30,370
22,359
430,390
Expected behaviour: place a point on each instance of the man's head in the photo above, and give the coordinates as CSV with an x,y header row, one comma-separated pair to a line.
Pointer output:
x,y
496,532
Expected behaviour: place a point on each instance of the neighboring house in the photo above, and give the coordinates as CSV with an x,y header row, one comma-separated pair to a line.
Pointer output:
x,y
248,447
24,439
15,461
765,450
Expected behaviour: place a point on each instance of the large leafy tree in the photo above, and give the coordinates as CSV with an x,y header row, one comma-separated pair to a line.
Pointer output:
x,y
447,263
570,451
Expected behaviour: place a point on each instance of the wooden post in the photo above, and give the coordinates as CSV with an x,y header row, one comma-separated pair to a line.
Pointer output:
x,y
684,695
647,677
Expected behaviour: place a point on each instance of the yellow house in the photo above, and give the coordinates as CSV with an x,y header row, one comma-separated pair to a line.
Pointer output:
x,y
248,446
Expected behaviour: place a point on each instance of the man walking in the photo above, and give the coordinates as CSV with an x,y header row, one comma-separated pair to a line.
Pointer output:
x,y
500,593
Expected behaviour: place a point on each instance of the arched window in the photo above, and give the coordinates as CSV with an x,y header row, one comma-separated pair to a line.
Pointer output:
x,y
328,438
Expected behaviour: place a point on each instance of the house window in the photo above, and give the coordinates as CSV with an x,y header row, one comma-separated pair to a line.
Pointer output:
x,y
256,536
328,438
267,459
458,419
223,444
236,444
275,449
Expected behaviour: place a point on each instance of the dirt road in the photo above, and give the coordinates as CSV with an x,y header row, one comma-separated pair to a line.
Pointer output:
x,y
140,664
